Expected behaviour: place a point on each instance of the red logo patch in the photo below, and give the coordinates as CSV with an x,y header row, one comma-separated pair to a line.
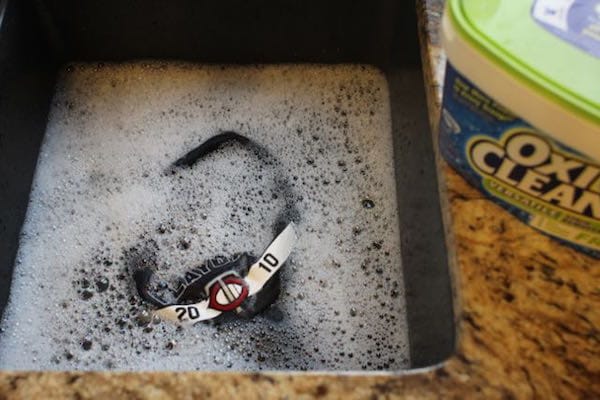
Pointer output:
x,y
228,293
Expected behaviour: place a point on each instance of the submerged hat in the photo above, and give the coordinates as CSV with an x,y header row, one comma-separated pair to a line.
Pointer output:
x,y
241,283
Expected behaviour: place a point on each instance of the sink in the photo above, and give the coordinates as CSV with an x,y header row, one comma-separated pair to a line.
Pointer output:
x,y
97,102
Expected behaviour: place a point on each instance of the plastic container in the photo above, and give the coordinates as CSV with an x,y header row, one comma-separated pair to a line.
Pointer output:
x,y
521,110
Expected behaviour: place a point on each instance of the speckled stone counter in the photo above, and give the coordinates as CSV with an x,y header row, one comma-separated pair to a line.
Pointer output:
x,y
527,314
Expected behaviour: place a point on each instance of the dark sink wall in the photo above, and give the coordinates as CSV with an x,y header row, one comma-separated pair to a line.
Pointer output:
x,y
234,31
26,82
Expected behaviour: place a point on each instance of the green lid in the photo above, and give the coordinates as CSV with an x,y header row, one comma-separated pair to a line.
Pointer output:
x,y
553,46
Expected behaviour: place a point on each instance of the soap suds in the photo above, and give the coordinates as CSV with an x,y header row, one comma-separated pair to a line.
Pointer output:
x,y
103,202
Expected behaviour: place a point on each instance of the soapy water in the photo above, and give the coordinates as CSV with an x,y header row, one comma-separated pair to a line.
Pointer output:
x,y
104,202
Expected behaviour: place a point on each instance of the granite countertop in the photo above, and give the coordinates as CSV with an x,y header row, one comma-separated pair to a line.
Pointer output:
x,y
527,316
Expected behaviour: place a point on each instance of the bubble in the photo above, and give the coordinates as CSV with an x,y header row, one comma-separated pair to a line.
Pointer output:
x,y
87,294
170,344
86,344
102,284
185,243
368,203
143,318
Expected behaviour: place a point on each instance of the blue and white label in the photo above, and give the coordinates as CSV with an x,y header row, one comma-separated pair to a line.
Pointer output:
x,y
576,21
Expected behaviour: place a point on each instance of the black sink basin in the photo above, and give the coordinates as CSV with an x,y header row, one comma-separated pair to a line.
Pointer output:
x,y
37,37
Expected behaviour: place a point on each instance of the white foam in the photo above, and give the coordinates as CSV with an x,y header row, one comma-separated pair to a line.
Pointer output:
x,y
100,189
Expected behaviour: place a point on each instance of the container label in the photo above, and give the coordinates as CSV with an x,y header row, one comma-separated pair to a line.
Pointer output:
x,y
561,192
545,184
576,21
